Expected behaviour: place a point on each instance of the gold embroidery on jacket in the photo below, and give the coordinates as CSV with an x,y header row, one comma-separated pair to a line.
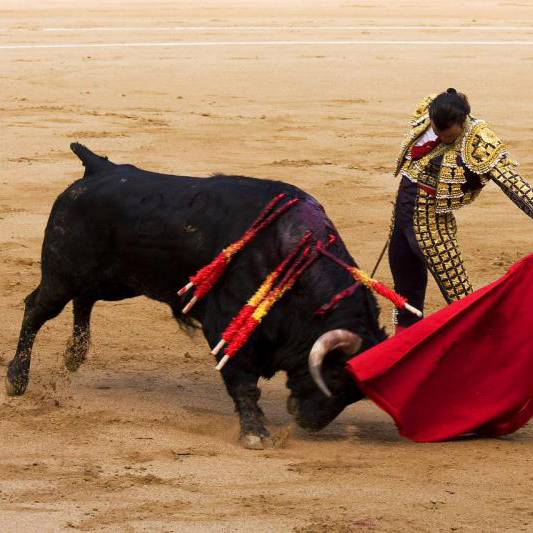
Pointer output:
x,y
477,149
481,149
451,174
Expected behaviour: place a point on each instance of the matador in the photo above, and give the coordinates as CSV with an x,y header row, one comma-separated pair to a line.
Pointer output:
x,y
446,159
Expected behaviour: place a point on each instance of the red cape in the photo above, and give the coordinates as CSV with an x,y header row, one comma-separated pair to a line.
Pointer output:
x,y
465,369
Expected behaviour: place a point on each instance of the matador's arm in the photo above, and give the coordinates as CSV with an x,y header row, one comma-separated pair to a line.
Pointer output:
x,y
513,185
485,155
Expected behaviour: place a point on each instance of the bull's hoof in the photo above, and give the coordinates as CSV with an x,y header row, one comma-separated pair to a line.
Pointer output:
x,y
73,361
15,389
75,354
251,442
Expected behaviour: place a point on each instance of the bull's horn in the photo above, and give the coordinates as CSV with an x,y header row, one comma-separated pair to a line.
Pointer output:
x,y
342,339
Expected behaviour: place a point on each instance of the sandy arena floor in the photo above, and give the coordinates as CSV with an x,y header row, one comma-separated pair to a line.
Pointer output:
x,y
143,437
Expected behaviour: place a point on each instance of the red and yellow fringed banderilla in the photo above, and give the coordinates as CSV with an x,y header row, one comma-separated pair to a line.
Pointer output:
x,y
207,276
399,301
262,309
326,308
244,314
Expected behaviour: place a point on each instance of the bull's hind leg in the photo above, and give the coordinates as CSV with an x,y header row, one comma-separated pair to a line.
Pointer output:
x,y
242,387
78,344
41,305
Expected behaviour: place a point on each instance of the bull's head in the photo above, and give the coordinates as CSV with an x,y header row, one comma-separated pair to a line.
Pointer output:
x,y
315,407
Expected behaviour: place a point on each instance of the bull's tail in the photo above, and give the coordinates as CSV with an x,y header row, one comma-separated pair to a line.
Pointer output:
x,y
93,163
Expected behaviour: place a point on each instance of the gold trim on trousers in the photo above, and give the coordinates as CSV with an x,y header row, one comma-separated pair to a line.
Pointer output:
x,y
436,236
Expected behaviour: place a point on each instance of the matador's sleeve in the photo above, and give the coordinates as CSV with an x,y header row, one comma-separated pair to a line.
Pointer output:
x,y
513,185
485,155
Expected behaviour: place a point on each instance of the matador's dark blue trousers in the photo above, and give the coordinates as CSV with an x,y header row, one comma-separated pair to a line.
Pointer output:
x,y
406,260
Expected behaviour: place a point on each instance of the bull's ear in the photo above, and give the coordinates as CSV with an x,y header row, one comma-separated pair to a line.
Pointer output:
x,y
341,339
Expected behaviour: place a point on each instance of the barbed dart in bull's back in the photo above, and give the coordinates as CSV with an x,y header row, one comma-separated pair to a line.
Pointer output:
x,y
241,318
360,276
208,275
293,272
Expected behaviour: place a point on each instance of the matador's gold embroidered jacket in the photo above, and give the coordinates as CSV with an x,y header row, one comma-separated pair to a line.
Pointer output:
x,y
459,171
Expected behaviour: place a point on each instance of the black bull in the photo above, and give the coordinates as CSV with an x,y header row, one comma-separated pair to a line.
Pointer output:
x,y
121,232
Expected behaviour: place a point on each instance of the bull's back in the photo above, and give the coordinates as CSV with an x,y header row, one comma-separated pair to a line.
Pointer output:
x,y
148,230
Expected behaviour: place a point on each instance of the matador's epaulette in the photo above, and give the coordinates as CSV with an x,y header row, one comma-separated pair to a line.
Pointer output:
x,y
419,122
481,148
422,110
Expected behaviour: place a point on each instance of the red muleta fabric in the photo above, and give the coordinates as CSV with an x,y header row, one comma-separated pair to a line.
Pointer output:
x,y
467,369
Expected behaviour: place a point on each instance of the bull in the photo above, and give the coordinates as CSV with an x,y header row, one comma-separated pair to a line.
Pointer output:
x,y
120,232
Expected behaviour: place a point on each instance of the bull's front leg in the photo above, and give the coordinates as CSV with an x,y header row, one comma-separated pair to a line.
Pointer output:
x,y
242,387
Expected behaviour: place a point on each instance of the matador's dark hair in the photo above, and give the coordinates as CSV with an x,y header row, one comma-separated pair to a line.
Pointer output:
x,y
449,108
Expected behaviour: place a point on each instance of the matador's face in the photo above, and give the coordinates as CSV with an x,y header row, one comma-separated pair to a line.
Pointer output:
x,y
448,135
